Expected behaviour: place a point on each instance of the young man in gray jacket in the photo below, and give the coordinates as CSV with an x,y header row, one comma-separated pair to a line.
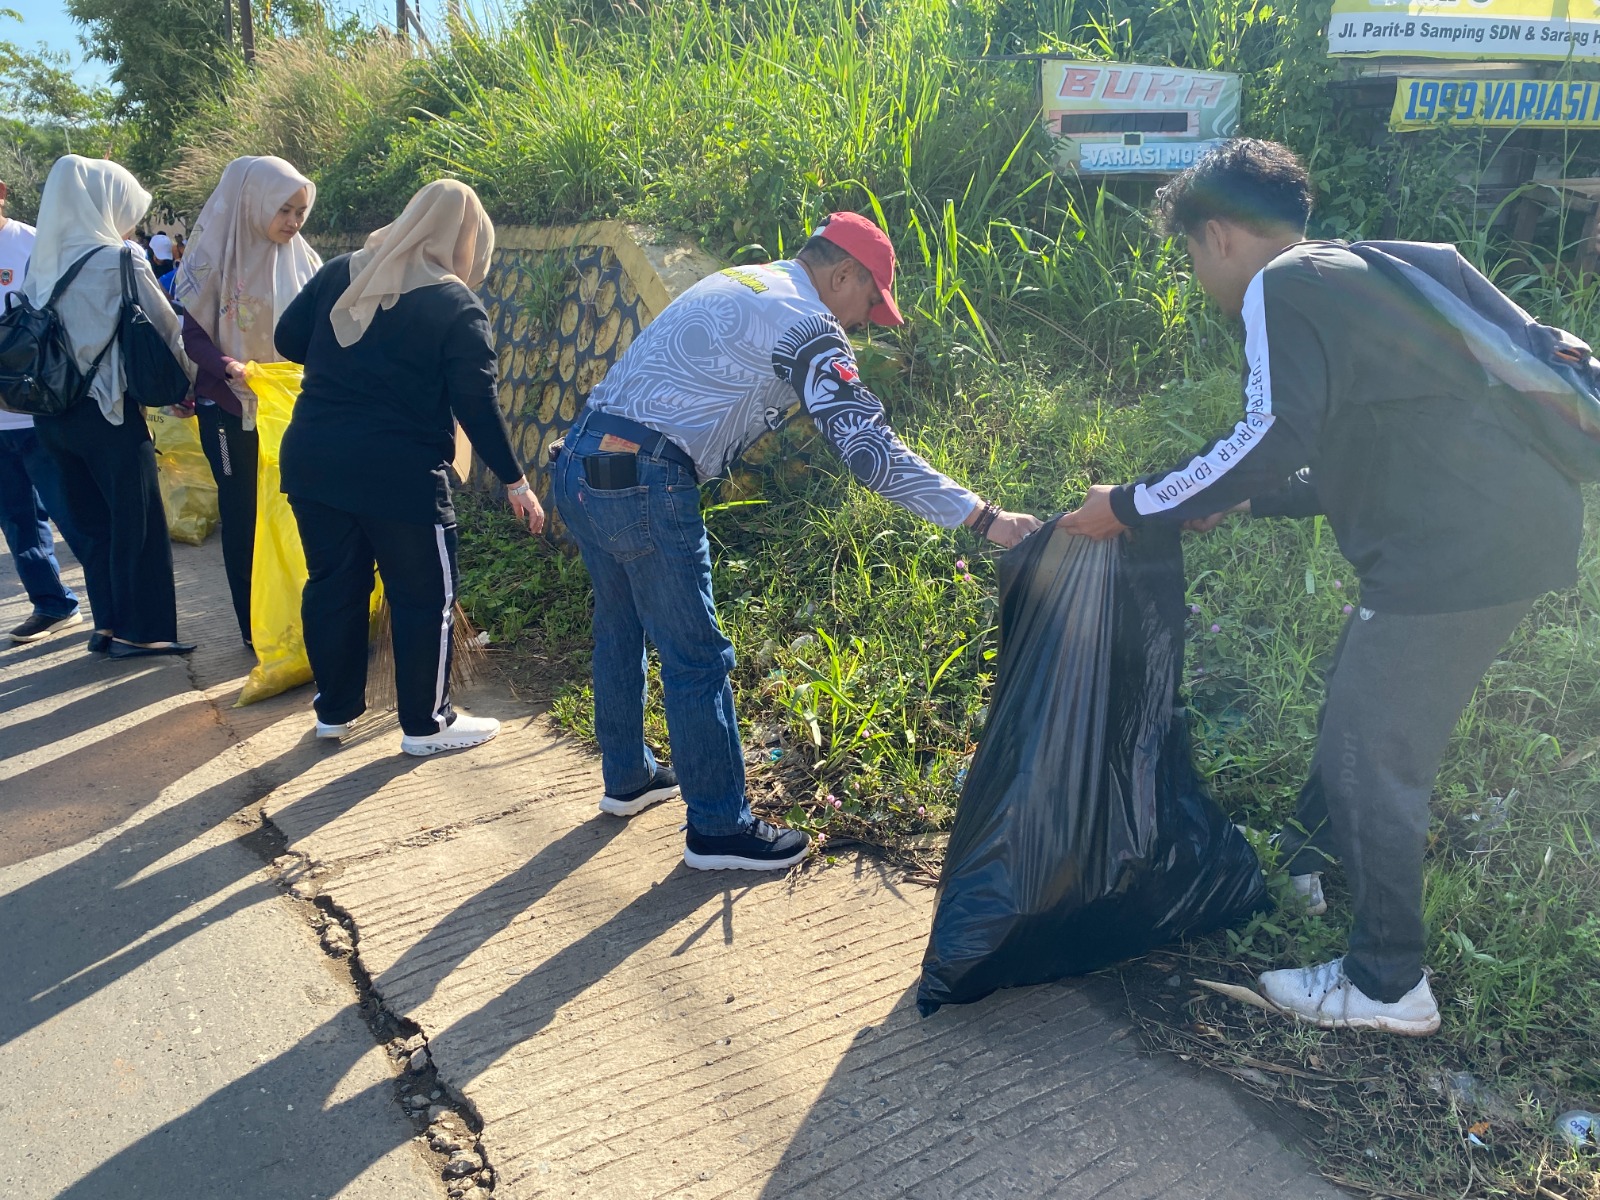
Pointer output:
x,y
1361,404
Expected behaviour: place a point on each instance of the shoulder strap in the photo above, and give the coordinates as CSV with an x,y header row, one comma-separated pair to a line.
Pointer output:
x,y
130,287
71,274
116,329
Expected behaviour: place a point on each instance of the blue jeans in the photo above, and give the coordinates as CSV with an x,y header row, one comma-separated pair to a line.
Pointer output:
x,y
650,562
28,496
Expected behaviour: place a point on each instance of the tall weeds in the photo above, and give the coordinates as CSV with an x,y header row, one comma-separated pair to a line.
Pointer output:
x,y
305,101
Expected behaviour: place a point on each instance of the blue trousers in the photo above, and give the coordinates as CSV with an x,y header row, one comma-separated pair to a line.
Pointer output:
x,y
650,562
30,495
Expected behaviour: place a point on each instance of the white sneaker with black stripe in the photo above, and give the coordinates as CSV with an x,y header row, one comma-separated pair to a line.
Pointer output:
x,y
461,734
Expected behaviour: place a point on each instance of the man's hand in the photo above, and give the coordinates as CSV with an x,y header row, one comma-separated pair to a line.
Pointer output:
x,y
526,504
1095,519
1207,524
235,372
1009,528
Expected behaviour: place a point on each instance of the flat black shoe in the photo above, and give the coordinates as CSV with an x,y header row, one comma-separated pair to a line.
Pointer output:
x,y
127,650
99,643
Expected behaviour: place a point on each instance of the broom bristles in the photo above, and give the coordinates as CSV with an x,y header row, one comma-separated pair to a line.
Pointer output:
x,y
467,656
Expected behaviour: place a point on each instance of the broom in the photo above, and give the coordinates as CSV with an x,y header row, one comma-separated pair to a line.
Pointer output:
x,y
467,656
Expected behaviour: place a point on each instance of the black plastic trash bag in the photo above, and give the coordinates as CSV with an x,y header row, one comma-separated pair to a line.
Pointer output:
x,y
1084,835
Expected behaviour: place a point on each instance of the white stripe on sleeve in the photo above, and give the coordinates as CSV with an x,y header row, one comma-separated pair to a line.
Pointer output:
x,y
1187,482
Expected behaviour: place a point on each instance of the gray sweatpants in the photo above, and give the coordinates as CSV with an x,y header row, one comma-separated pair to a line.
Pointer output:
x,y
1397,687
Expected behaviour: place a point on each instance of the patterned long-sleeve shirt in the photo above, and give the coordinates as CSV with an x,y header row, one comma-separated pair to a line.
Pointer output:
x,y
740,353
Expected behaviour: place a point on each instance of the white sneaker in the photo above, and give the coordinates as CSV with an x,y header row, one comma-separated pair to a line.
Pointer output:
x,y
1309,888
461,734
1324,996
333,733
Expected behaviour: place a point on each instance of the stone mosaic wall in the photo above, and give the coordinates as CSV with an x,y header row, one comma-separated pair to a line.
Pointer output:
x,y
560,320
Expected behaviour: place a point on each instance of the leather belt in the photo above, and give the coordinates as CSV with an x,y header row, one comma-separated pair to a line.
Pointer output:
x,y
652,443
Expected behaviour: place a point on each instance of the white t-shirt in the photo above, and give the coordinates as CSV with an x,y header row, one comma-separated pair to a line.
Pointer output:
x,y
16,247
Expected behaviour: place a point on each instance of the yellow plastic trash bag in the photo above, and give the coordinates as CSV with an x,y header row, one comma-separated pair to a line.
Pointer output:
x,y
278,573
187,487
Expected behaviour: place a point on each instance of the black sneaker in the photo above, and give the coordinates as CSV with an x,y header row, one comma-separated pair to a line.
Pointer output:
x,y
38,627
663,785
760,847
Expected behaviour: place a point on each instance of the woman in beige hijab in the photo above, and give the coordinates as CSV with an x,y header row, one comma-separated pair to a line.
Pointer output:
x,y
101,447
245,262
397,350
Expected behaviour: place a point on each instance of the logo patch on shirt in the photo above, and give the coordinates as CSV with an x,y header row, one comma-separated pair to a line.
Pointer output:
x,y
6,276
846,371
748,278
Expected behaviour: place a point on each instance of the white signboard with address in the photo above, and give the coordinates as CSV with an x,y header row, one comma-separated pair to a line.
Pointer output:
x,y
1512,30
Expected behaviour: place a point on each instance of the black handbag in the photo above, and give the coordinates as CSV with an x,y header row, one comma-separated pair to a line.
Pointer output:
x,y
39,373
154,376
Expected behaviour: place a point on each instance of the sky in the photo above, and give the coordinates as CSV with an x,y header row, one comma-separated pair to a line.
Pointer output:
x,y
47,21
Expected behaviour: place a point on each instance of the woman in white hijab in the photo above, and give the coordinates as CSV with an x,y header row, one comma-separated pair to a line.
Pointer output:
x,y
102,445
397,350
244,262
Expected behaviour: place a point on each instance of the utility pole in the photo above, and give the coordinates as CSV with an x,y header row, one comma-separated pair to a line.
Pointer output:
x,y
402,19
227,23
247,33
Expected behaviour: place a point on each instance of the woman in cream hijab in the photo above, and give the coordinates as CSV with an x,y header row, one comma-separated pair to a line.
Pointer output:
x,y
397,350
244,262
102,446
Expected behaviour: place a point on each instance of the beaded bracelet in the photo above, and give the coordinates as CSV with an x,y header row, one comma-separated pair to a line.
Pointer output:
x,y
982,525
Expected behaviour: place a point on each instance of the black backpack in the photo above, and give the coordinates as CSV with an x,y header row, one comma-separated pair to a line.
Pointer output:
x,y
154,377
1552,376
38,372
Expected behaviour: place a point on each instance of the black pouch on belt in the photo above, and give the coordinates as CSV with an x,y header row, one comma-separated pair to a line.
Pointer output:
x,y
611,472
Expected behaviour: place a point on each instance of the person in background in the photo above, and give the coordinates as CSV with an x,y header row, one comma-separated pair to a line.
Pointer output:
x,y
29,488
247,263
397,349
179,245
1360,404
734,356
160,253
101,447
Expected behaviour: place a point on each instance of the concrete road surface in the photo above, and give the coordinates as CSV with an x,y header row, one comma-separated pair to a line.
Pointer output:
x,y
169,1025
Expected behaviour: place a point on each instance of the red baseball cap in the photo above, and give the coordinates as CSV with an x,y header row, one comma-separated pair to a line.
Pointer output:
x,y
868,245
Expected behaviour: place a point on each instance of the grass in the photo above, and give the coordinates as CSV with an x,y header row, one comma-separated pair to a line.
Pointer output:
x,y
1054,342
865,644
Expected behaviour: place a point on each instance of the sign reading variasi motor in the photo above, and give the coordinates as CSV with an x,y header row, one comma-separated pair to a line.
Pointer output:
x,y
1125,118
1496,103
1505,30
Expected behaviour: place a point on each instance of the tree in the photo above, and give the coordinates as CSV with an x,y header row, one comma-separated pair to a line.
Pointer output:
x,y
165,57
40,84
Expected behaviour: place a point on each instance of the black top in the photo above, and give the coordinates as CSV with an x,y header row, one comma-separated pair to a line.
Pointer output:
x,y
1361,404
372,432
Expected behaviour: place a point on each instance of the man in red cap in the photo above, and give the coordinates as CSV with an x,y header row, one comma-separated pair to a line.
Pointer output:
x,y
735,356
